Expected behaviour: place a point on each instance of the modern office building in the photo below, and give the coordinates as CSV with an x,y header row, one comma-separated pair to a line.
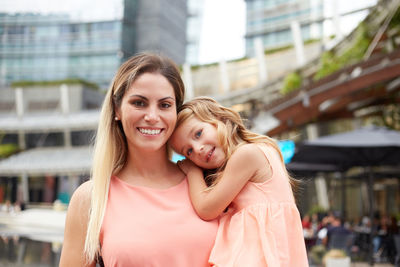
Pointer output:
x,y
38,47
157,25
42,48
271,20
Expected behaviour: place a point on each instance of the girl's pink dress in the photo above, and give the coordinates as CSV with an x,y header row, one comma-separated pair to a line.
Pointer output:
x,y
154,227
262,226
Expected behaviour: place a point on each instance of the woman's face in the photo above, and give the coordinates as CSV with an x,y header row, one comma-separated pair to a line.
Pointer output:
x,y
148,112
198,141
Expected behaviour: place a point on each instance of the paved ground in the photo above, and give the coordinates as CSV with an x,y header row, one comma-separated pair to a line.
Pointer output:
x,y
365,264
43,227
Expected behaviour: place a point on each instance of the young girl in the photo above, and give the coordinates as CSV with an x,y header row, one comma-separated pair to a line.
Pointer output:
x,y
245,172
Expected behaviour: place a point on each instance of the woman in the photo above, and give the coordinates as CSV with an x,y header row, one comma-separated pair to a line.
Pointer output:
x,y
135,210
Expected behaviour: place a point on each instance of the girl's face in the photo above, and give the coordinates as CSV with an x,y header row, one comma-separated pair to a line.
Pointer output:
x,y
148,112
198,141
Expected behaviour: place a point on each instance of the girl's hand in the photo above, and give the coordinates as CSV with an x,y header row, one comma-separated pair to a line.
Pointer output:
x,y
187,166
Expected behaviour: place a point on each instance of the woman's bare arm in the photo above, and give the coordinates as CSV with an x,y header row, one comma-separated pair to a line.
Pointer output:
x,y
72,253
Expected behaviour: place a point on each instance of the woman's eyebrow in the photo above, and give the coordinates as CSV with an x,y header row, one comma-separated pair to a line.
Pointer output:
x,y
167,98
140,96
160,100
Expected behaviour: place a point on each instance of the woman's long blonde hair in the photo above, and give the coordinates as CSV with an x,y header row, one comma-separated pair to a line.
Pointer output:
x,y
231,131
110,148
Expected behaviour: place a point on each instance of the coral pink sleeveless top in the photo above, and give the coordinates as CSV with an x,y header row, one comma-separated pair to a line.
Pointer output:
x,y
154,227
262,227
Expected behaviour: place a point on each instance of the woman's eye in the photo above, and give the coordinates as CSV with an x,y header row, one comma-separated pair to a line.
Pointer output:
x,y
138,103
189,151
165,105
198,133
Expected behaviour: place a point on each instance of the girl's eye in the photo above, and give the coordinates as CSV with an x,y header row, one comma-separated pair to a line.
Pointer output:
x,y
189,151
165,105
198,133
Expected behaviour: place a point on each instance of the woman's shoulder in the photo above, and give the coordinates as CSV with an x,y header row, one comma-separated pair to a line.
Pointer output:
x,y
84,190
81,197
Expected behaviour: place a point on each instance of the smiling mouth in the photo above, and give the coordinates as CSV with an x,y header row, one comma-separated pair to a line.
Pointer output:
x,y
149,131
210,154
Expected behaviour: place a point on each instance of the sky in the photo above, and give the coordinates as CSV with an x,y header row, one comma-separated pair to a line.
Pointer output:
x,y
223,31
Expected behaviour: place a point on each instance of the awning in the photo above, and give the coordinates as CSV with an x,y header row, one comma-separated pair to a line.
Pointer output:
x,y
40,122
52,160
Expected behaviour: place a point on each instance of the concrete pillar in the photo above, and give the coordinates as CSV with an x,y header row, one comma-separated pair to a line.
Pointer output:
x,y
64,99
21,140
312,131
188,80
67,138
298,43
223,71
19,102
322,192
65,109
20,109
320,183
25,188
262,68
364,197
371,213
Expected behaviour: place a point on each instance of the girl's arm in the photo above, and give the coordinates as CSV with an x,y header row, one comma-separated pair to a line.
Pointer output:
x,y
240,168
72,253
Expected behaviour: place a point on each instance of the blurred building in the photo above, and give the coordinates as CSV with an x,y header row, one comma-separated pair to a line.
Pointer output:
x,y
52,126
158,25
39,47
271,21
194,29
51,47
361,91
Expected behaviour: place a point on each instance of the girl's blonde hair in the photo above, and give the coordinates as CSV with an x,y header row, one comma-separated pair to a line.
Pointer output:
x,y
110,148
231,131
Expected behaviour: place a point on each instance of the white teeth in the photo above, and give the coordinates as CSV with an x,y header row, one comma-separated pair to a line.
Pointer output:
x,y
209,154
148,131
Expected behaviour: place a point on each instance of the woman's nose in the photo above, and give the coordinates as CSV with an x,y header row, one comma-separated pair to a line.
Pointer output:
x,y
151,115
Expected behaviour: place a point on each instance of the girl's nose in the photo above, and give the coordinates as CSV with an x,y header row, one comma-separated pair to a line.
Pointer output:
x,y
199,148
